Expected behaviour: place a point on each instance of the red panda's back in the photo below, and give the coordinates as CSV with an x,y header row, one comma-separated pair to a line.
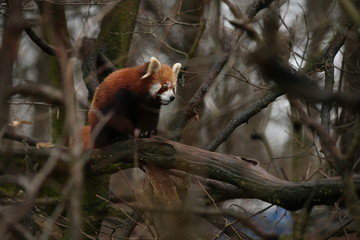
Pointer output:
x,y
121,79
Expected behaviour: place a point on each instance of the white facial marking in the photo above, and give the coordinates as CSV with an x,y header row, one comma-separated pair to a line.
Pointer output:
x,y
167,97
154,89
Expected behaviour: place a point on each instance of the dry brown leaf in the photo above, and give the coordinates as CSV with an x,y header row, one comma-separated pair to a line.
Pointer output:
x,y
44,145
18,122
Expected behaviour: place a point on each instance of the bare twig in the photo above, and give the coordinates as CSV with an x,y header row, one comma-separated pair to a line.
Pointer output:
x,y
89,54
336,230
300,223
38,201
41,43
130,223
49,94
326,57
72,127
197,39
347,163
234,9
191,108
326,140
256,7
22,138
32,188
243,118
246,221
326,107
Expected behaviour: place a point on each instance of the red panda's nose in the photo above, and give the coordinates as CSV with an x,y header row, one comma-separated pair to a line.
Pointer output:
x,y
172,98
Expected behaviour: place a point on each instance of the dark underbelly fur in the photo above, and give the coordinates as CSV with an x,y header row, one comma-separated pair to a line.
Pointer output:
x,y
128,112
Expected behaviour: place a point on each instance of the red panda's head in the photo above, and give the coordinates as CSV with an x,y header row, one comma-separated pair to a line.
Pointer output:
x,y
162,80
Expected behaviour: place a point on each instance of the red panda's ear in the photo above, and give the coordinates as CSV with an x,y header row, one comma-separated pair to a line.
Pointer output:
x,y
153,67
176,68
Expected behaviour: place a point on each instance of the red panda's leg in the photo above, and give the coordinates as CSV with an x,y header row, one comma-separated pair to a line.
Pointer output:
x,y
102,138
148,124
116,128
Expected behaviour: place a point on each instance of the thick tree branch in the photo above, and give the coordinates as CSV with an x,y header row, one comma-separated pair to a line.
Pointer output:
x,y
245,174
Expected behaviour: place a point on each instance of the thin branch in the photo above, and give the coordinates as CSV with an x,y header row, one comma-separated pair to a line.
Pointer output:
x,y
42,44
256,7
49,94
38,201
22,138
246,221
129,225
197,39
191,108
72,126
32,188
326,140
339,228
326,107
89,54
243,118
328,54
347,164
234,9
298,83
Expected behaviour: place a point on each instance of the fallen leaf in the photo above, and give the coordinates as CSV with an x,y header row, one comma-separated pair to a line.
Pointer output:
x,y
44,145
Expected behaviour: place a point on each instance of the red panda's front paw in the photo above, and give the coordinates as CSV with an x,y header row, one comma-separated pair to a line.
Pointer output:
x,y
147,133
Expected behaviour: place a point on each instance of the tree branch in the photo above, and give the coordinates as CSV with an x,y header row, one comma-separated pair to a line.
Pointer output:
x,y
327,141
245,174
243,118
50,94
22,138
191,108
47,48
245,220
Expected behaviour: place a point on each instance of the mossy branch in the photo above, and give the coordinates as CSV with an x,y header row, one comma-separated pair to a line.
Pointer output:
x,y
246,174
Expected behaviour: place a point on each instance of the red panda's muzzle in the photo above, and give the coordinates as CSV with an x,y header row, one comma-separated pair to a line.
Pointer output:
x,y
166,97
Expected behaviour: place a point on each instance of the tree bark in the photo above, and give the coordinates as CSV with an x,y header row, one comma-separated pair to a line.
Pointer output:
x,y
246,174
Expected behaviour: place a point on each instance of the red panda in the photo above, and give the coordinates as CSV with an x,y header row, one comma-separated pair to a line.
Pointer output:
x,y
130,99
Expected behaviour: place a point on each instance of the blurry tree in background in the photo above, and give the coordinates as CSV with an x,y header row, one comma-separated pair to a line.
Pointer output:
x,y
263,141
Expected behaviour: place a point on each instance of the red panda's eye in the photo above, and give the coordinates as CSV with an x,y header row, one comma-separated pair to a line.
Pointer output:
x,y
165,87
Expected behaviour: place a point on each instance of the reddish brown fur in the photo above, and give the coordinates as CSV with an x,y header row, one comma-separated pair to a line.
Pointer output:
x,y
85,137
127,78
130,80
